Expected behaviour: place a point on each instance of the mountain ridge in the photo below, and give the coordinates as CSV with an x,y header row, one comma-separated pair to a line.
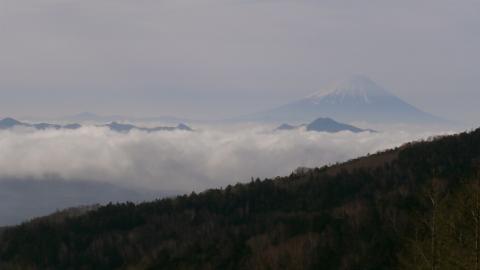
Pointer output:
x,y
8,123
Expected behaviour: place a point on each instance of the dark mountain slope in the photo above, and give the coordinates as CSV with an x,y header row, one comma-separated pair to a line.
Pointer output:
x,y
355,215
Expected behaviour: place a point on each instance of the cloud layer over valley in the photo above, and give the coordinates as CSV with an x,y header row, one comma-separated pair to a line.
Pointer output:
x,y
181,161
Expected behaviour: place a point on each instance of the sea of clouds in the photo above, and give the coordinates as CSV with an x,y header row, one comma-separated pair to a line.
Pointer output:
x,y
183,161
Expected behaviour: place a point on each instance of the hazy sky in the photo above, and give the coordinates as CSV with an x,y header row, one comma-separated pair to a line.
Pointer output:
x,y
214,58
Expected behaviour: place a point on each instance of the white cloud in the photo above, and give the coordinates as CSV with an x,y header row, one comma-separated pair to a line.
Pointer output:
x,y
180,160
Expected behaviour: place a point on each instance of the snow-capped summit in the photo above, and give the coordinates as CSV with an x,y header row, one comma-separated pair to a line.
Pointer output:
x,y
356,99
359,88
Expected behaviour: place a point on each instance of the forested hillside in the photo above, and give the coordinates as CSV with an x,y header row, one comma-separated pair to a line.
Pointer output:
x,y
415,207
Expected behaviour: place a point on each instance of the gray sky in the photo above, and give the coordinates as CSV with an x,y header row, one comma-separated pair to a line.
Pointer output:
x,y
212,58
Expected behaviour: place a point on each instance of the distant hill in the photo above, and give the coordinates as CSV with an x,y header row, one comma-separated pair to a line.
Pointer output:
x,y
9,123
129,127
374,212
288,127
324,125
356,99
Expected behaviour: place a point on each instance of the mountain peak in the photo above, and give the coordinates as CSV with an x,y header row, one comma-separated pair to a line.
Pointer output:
x,y
184,127
359,88
326,124
9,122
355,99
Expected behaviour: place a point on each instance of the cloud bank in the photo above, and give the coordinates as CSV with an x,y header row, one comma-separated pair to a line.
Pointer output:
x,y
182,161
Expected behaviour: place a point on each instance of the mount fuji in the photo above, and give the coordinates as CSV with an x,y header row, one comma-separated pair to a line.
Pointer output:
x,y
355,99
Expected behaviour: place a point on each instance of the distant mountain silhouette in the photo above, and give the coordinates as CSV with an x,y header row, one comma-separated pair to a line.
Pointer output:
x,y
72,126
287,127
355,99
183,127
9,123
119,127
325,125
330,125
